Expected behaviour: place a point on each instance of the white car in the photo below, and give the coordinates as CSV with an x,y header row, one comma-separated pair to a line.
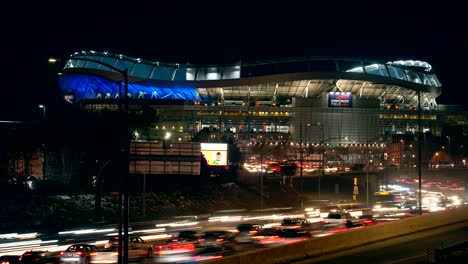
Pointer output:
x,y
444,165
331,169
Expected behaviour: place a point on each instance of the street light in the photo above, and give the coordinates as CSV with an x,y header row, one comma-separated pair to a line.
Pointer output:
x,y
322,161
44,169
261,175
124,192
419,153
367,170
448,138
301,153
302,162
401,152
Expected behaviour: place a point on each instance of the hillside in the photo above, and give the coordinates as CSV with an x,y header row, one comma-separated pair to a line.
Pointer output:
x,y
62,211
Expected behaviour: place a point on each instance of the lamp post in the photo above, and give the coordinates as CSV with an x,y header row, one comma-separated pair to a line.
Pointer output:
x,y
448,147
261,175
322,151
301,153
402,151
44,169
419,152
302,163
124,191
367,170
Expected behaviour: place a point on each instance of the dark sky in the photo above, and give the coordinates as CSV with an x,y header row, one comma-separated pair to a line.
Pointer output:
x,y
214,33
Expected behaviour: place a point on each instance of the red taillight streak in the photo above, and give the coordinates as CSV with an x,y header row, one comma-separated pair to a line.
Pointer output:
x,y
271,240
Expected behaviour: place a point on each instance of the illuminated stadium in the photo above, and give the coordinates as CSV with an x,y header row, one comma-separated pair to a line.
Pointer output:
x,y
353,100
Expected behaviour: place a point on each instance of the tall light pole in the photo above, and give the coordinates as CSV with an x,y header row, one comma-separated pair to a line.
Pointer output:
x,y
448,147
301,153
261,175
419,152
367,170
125,145
402,151
302,163
322,158
44,169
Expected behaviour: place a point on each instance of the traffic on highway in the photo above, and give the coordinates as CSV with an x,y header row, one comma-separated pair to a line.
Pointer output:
x,y
221,233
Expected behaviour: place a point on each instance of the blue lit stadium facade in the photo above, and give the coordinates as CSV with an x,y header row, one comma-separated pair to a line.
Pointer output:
x,y
343,101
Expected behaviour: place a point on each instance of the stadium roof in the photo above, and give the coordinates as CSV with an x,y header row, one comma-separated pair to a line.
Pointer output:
x,y
287,78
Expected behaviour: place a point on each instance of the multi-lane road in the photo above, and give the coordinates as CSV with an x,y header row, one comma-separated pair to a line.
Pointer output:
x,y
409,249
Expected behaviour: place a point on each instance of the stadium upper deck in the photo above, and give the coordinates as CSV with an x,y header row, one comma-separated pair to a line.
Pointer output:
x,y
270,82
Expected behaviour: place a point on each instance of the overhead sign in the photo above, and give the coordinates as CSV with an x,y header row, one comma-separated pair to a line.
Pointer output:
x,y
341,100
215,153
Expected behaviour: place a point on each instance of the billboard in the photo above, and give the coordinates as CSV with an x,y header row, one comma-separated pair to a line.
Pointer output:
x,y
216,154
341,100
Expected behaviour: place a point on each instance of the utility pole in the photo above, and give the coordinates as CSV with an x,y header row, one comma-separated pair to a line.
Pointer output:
x,y
322,148
301,198
125,147
44,161
419,152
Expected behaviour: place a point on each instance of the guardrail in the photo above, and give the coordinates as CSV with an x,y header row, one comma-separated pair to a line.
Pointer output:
x,y
350,239
448,254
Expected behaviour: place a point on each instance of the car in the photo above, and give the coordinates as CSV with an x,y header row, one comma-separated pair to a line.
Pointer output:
x,y
215,238
328,169
444,165
137,247
185,242
175,249
39,257
245,233
247,227
288,236
9,259
295,223
273,168
78,253
266,237
341,218
187,235
184,237
367,220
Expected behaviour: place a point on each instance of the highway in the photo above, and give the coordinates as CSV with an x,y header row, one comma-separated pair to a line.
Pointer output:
x,y
406,249
411,249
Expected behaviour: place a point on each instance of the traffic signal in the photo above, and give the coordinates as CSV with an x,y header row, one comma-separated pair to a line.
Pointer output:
x,y
355,181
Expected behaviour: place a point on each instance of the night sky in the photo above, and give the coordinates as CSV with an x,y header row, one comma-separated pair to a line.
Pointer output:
x,y
227,34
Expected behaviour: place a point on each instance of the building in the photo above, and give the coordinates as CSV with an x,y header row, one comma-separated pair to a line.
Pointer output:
x,y
357,107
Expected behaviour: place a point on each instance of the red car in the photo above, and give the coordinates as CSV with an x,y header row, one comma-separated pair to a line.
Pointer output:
x,y
367,220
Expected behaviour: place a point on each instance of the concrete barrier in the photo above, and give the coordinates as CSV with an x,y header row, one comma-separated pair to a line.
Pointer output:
x,y
350,239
